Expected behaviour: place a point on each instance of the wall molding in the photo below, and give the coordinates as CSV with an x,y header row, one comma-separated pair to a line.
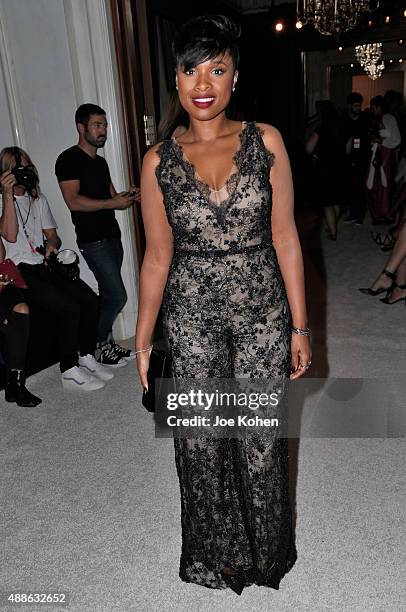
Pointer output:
x,y
10,80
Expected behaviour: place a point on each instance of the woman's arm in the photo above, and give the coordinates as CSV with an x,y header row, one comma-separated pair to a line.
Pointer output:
x,y
53,241
156,262
286,241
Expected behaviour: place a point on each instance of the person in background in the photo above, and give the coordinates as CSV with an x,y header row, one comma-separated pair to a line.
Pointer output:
x,y
356,129
385,138
14,311
72,303
326,145
84,179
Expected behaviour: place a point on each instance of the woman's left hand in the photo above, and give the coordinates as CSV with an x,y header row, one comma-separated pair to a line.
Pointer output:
x,y
301,355
51,249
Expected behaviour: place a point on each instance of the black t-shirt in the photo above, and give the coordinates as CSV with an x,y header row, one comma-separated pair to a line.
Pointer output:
x,y
94,177
358,129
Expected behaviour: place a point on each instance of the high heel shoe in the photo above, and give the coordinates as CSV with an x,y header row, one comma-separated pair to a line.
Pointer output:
x,y
385,300
377,237
369,291
388,242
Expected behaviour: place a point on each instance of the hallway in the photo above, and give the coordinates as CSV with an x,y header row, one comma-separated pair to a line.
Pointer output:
x,y
91,500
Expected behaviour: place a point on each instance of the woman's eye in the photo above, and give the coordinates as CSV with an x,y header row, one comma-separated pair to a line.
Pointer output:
x,y
218,71
190,71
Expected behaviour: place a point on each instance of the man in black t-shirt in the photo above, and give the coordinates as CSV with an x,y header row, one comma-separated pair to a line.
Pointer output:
x,y
84,179
356,127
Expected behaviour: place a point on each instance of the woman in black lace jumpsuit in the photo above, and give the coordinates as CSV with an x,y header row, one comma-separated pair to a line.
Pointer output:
x,y
226,314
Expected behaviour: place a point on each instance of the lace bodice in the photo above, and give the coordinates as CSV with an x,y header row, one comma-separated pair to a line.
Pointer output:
x,y
237,215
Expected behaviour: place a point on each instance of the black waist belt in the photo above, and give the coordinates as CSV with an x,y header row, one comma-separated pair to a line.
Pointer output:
x,y
224,252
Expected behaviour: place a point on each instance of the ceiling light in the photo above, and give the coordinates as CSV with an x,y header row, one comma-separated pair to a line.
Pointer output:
x,y
370,58
333,17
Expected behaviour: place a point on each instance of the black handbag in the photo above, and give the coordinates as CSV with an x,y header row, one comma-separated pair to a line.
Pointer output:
x,y
160,366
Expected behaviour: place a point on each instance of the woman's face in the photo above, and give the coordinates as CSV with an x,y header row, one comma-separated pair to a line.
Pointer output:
x,y
24,161
205,90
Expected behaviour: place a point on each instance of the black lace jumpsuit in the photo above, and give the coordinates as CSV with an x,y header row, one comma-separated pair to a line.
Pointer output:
x,y
226,315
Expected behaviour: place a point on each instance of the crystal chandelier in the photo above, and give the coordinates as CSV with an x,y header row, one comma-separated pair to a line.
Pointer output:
x,y
333,16
370,58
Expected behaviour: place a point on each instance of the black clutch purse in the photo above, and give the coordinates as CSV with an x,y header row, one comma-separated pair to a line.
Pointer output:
x,y
160,366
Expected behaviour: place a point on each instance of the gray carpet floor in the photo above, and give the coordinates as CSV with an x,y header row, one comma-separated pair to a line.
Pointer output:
x,y
90,500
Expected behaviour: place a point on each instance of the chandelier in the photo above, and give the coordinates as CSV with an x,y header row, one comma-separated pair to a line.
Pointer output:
x,y
370,58
333,16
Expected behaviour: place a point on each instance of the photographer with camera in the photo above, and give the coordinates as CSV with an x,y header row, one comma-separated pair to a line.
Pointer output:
x,y
71,302
84,179
14,312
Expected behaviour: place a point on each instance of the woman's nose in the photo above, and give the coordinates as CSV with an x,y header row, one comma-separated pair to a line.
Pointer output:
x,y
202,83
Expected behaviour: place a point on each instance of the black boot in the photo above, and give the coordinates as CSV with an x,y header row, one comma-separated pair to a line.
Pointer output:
x,y
17,392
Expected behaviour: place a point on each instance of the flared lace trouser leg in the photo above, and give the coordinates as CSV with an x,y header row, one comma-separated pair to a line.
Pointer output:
x,y
235,509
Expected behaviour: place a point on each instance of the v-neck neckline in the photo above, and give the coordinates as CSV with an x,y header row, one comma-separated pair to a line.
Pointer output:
x,y
233,173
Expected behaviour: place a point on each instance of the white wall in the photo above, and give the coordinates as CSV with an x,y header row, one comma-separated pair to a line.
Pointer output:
x,y
55,55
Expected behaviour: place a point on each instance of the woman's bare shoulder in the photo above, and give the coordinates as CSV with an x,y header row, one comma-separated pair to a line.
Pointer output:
x,y
271,136
152,156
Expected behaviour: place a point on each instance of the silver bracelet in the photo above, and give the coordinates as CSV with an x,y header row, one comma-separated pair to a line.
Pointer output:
x,y
301,332
144,350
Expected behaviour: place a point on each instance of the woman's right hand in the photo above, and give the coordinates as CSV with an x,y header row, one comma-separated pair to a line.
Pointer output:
x,y
7,181
143,367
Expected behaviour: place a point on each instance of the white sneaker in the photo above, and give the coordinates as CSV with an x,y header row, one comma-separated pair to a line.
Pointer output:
x,y
89,363
78,379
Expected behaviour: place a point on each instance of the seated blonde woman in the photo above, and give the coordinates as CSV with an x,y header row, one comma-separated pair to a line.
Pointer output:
x,y
14,312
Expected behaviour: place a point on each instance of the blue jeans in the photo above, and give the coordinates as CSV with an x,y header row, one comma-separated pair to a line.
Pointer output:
x,y
104,258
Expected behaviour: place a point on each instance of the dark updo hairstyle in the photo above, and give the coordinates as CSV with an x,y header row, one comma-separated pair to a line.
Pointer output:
x,y
205,38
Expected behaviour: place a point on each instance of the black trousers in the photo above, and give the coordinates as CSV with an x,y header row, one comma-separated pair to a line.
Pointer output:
x,y
73,303
14,327
357,189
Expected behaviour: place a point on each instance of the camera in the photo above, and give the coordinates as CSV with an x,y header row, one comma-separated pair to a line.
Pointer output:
x,y
24,175
65,263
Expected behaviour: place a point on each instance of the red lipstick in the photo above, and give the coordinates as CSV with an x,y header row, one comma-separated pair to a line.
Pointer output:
x,y
203,101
